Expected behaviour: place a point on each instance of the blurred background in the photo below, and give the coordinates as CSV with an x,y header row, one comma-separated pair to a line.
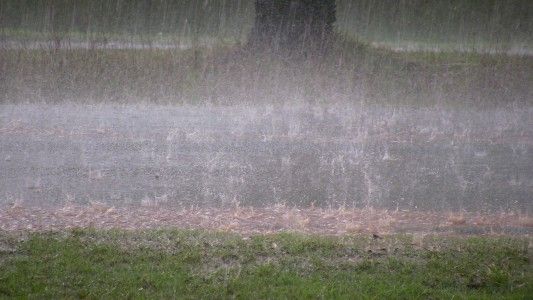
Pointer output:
x,y
476,25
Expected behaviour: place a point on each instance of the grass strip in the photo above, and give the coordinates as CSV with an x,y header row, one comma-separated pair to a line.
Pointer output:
x,y
200,264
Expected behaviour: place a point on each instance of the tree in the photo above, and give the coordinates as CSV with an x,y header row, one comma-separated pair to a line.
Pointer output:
x,y
296,26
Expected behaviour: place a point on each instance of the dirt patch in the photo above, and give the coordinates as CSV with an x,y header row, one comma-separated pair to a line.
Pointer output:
x,y
265,220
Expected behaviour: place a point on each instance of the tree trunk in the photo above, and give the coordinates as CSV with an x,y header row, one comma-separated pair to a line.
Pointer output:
x,y
296,26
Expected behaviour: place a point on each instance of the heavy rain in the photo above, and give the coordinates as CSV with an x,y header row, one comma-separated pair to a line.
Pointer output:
x,y
259,117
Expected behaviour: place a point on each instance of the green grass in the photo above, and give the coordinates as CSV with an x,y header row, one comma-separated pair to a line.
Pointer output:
x,y
134,18
442,25
219,74
224,75
198,264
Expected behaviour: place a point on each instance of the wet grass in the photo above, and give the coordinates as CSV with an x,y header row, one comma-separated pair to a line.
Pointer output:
x,y
440,25
351,72
199,264
420,24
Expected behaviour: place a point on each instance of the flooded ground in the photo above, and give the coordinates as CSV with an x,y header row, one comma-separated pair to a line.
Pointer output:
x,y
335,156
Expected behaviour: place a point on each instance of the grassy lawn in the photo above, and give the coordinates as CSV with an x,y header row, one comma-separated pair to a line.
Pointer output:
x,y
349,73
199,264
212,72
421,24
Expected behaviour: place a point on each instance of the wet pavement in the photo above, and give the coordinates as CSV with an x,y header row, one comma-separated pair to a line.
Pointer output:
x,y
339,155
